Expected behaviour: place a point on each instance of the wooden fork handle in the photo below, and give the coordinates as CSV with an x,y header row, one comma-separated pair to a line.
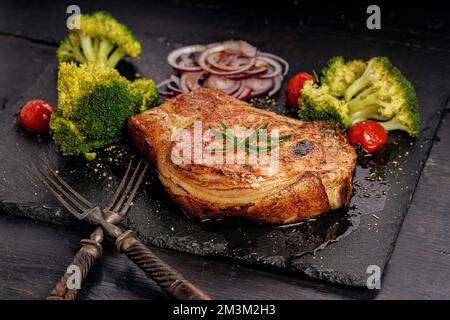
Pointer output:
x,y
168,279
83,261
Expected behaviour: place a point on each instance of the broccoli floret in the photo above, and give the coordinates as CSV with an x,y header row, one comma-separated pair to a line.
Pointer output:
x,y
338,74
407,119
94,104
381,92
101,39
318,104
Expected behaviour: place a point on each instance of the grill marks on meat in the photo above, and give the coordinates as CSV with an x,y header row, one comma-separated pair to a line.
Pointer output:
x,y
315,170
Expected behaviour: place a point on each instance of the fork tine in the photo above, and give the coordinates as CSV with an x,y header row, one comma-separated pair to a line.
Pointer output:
x,y
119,188
58,197
68,187
127,189
125,208
68,196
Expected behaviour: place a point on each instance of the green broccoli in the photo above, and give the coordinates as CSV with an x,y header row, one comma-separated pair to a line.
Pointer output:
x,y
101,39
338,74
380,92
94,104
317,103
383,93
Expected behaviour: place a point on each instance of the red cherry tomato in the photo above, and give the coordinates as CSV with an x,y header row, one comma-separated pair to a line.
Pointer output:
x,y
295,86
35,115
369,134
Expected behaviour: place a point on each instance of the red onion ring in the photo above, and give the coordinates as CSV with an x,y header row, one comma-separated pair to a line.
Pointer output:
x,y
174,89
163,83
276,85
277,69
241,47
248,74
245,94
228,86
278,58
226,65
176,81
184,51
167,83
235,67
167,94
259,86
190,80
202,62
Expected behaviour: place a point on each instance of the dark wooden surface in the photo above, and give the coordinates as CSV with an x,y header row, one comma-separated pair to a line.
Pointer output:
x,y
34,255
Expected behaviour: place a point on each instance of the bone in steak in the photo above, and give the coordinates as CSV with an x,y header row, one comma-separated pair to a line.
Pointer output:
x,y
313,175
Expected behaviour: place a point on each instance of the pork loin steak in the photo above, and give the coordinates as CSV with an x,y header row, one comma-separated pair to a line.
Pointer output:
x,y
311,172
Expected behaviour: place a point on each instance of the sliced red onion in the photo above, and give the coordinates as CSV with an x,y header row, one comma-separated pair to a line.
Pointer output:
x,y
259,86
225,62
175,80
177,87
228,86
249,73
183,84
245,94
191,80
167,94
278,58
276,68
235,67
241,88
247,49
163,83
276,85
234,63
202,62
241,47
174,89
182,54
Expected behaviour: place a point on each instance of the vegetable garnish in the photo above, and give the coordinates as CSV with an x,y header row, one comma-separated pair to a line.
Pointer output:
x,y
295,86
235,67
248,142
35,115
94,104
101,39
355,91
369,134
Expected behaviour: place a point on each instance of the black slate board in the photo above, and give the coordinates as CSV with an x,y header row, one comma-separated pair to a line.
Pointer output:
x,y
363,239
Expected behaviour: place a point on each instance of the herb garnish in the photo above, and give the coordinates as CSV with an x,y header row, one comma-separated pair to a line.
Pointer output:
x,y
246,142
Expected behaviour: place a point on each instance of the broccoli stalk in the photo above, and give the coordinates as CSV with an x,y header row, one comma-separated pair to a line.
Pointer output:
x,y
407,121
94,104
101,39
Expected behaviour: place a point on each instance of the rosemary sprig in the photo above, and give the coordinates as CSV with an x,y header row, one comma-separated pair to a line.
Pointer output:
x,y
247,142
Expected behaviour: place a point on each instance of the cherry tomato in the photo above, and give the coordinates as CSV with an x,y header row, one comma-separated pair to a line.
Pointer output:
x,y
295,86
35,115
369,134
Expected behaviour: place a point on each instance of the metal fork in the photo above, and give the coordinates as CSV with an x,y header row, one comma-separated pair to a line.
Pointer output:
x,y
168,279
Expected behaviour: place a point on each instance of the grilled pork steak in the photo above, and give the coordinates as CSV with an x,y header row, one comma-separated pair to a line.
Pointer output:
x,y
311,171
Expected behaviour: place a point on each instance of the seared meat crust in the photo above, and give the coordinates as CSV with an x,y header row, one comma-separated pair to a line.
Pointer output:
x,y
313,175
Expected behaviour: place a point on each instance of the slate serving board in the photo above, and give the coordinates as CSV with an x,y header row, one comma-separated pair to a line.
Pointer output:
x,y
350,239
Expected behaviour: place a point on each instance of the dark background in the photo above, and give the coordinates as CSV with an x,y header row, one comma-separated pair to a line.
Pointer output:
x,y
428,20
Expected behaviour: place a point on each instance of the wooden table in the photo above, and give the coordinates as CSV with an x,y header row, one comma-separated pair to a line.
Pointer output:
x,y
33,255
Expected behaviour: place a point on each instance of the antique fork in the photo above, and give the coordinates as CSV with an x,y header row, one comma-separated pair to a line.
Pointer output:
x,y
168,279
